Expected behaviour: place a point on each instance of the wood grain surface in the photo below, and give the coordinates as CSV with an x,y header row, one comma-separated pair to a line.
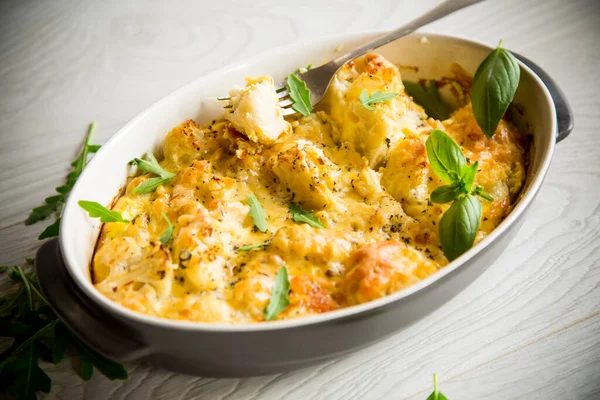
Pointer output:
x,y
529,328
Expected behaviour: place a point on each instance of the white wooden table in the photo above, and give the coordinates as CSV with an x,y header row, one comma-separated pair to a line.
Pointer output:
x,y
529,328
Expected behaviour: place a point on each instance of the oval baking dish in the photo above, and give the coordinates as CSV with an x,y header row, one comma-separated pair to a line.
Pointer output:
x,y
273,347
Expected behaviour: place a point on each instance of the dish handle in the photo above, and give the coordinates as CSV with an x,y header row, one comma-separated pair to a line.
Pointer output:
x,y
564,113
102,332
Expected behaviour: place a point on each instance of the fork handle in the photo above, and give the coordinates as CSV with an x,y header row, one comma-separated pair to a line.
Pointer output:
x,y
441,10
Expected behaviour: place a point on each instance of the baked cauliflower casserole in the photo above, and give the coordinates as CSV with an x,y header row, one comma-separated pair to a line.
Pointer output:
x,y
364,174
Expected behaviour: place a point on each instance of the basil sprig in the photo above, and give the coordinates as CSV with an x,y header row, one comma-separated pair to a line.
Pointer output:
x,y
494,87
279,296
299,94
459,224
151,166
375,97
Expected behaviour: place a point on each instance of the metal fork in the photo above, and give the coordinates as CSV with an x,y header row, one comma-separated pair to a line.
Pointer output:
x,y
318,79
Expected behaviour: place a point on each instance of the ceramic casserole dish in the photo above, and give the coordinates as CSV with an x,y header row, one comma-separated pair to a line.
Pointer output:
x,y
273,347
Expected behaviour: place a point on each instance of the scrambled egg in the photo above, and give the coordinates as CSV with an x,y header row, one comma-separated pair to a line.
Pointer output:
x,y
364,174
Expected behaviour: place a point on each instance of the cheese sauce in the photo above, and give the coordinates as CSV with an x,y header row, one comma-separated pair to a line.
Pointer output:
x,y
364,174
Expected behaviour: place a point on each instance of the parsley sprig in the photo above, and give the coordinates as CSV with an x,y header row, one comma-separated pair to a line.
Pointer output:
x,y
375,97
54,204
459,224
26,317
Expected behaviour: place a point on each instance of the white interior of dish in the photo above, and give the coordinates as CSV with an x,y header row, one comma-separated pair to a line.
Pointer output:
x,y
107,172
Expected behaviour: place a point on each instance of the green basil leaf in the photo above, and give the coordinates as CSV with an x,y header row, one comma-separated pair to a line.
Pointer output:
x,y
494,87
257,213
150,185
152,166
168,232
97,210
428,98
306,217
458,226
468,176
253,246
375,97
299,94
444,194
445,157
436,394
279,296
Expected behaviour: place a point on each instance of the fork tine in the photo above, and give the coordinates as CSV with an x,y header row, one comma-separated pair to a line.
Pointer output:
x,y
285,103
282,94
288,111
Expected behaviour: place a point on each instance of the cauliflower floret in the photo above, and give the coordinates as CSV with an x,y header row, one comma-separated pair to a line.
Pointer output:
x,y
304,169
255,111
379,269
371,132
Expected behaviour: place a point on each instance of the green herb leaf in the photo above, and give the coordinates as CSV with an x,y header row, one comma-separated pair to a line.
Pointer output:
x,y
253,246
436,394
468,176
299,94
97,210
444,194
279,296
458,226
479,192
51,230
445,157
428,98
150,185
168,232
152,166
3,268
108,368
61,343
375,97
494,87
86,366
306,217
24,376
257,213
54,203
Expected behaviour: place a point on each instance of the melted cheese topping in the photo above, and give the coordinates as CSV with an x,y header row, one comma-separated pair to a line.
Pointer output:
x,y
364,174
